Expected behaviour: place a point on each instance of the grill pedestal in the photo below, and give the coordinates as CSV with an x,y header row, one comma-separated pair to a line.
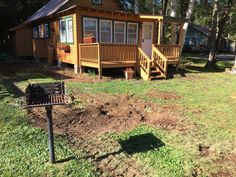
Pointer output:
x,y
50,134
46,95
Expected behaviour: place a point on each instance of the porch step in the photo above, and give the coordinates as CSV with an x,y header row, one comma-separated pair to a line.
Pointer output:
x,y
157,77
157,71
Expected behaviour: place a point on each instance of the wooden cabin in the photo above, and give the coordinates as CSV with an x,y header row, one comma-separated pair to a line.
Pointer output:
x,y
97,34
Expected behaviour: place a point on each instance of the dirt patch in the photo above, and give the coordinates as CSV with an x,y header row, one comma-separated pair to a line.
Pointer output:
x,y
204,150
222,174
163,95
65,73
102,115
228,160
105,113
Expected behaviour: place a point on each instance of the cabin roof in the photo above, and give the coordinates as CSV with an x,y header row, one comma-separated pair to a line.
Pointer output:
x,y
201,29
50,8
56,7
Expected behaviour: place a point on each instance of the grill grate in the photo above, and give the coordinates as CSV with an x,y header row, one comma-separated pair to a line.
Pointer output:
x,y
46,94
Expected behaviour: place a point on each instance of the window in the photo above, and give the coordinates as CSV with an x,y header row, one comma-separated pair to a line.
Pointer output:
x,y
69,31
46,30
105,31
97,1
187,40
66,30
132,37
120,32
42,31
90,28
35,32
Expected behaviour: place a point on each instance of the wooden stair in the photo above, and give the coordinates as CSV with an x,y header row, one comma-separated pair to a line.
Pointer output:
x,y
156,73
151,69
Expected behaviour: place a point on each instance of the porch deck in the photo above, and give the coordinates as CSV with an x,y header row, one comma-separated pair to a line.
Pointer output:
x,y
100,55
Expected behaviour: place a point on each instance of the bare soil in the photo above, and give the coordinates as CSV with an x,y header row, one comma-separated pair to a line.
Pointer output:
x,y
105,113
163,95
98,114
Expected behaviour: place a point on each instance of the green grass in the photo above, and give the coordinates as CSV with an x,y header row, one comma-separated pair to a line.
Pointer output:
x,y
24,150
205,103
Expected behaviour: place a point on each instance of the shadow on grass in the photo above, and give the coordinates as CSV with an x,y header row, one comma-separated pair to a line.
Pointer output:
x,y
137,144
12,89
141,143
194,65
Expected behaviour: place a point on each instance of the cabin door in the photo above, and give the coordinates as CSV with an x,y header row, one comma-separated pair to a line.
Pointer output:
x,y
147,38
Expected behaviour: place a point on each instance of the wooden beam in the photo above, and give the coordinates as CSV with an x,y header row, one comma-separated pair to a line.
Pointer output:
x,y
160,27
151,17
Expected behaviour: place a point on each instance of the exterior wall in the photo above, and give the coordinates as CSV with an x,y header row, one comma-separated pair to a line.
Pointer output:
x,y
40,48
62,56
112,5
23,41
106,16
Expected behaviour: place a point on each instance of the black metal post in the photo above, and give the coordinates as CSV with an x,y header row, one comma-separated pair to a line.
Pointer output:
x,y
50,134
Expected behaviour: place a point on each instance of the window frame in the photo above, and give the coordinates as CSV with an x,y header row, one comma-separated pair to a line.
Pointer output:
x,y
137,32
91,18
66,19
125,32
35,29
100,31
97,3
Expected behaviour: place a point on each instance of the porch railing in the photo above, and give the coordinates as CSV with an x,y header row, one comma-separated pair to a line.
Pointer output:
x,y
172,52
160,60
89,52
144,62
107,52
118,52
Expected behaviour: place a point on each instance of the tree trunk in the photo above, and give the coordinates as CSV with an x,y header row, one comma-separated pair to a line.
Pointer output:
x,y
173,25
235,61
136,7
153,7
164,7
212,55
186,24
218,28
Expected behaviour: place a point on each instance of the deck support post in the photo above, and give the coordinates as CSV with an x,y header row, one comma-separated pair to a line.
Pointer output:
x,y
76,69
99,62
100,72
58,63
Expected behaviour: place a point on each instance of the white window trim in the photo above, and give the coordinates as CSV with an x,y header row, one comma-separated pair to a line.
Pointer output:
x,y
66,38
137,32
66,20
67,29
61,20
125,29
96,26
100,31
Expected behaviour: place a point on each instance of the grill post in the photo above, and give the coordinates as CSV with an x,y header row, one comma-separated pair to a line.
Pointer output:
x,y
50,134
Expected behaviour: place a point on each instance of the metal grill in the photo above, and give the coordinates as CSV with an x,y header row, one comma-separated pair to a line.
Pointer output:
x,y
46,94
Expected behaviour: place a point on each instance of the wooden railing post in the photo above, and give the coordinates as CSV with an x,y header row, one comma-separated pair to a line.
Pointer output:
x,y
80,62
99,62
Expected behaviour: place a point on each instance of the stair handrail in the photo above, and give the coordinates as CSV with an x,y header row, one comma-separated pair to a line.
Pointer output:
x,y
160,60
144,61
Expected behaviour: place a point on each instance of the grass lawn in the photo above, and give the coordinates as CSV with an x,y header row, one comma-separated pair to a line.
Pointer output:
x,y
205,104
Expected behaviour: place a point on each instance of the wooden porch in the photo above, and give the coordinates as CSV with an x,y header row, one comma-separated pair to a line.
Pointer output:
x,y
101,55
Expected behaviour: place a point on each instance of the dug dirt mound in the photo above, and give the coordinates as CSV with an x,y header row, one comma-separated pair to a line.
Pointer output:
x,y
102,114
